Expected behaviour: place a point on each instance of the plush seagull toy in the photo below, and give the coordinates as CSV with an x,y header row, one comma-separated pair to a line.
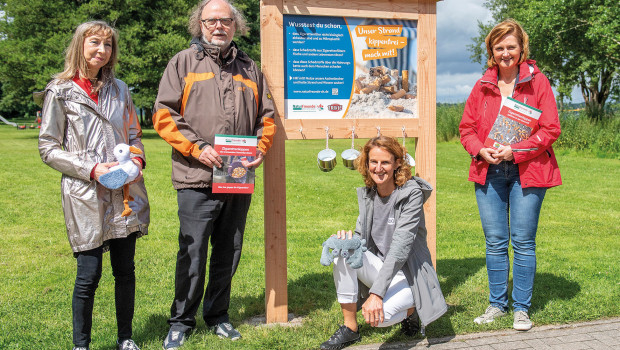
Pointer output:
x,y
123,173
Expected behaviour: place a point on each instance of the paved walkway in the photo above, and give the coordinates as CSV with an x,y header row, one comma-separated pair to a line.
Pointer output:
x,y
600,334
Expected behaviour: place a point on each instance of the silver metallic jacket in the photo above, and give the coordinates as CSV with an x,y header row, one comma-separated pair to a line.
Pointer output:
x,y
76,134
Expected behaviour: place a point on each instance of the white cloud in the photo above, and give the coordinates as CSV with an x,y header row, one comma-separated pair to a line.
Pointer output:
x,y
455,87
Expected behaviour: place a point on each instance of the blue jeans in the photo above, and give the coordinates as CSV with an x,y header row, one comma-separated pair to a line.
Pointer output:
x,y
509,213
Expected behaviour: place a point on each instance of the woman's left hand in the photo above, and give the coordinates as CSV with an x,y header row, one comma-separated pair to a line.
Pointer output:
x,y
102,168
504,153
373,310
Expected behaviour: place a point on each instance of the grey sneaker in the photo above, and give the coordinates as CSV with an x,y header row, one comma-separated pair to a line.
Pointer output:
x,y
342,338
126,344
80,348
226,330
489,315
522,321
174,340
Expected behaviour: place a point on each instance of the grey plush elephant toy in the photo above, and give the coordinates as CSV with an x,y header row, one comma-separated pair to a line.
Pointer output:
x,y
349,249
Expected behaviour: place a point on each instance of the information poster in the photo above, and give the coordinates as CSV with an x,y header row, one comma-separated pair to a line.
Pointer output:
x,y
343,67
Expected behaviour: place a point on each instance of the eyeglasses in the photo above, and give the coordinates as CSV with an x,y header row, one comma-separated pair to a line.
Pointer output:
x,y
212,22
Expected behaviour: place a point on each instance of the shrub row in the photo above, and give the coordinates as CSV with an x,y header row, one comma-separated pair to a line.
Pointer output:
x,y
600,137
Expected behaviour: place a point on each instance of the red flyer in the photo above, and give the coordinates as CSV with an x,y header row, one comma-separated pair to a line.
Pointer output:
x,y
233,177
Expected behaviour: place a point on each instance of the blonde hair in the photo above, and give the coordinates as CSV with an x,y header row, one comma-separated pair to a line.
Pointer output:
x,y
74,56
401,175
509,26
193,26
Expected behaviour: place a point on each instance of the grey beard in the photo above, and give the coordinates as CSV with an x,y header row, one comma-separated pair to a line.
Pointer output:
x,y
221,46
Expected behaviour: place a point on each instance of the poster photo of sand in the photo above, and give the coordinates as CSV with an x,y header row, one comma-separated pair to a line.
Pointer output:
x,y
344,67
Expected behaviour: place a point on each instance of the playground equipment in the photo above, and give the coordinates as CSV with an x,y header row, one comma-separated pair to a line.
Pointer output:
x,y
8,122
33,125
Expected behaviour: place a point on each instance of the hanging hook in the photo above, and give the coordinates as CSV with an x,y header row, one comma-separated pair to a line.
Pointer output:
x,y
403,129
378,131
353,137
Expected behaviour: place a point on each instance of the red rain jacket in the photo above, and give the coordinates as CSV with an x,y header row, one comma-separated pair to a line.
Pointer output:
x,y
537,168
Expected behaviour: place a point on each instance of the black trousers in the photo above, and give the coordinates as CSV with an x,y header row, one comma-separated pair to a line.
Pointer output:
x,y
205,216
122,252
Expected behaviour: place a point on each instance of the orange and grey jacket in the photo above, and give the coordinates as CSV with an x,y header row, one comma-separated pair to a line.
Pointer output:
x,y
202,94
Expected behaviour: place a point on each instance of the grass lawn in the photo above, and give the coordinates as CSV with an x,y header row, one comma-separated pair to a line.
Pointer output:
x,y
578,277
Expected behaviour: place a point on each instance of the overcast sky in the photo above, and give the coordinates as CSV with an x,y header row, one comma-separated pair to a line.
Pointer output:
x,y
456,25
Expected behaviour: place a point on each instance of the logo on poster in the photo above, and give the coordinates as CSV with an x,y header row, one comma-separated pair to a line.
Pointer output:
x,y
308,108
335,107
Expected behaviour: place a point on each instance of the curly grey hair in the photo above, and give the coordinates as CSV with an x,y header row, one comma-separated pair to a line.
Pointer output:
x,y
195,17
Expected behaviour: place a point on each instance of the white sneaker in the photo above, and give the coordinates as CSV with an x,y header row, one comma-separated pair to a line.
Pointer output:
x,y
489,315
522,321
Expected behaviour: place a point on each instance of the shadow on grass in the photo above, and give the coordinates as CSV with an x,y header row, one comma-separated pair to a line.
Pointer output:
x,y
453,272
457,271
306,294
155,329
310,292
549,287
316,291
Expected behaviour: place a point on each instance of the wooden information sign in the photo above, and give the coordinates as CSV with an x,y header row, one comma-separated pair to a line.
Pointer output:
x,y
362,65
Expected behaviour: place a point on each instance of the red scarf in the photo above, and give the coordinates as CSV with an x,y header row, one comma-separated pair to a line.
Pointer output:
x,y
87,86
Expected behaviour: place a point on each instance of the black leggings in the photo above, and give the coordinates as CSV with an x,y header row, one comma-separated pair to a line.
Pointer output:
x,y
122,253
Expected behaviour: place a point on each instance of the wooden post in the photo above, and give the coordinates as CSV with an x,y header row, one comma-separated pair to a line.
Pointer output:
x,y
427,97
276,298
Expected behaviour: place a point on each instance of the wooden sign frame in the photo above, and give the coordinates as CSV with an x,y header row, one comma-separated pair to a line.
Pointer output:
x,y
422,128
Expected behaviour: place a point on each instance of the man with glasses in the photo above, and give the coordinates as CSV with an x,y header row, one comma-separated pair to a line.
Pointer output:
x,y
210,88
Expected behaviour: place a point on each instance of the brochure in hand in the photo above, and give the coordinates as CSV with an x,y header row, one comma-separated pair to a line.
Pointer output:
x,y
513,124
233,177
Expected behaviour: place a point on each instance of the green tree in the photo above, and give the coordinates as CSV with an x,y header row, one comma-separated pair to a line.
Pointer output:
x,y
574,42
34,35
31,49
250,43
151,32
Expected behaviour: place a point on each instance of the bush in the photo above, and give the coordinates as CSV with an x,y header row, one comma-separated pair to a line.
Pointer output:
x,y
448,119
580,133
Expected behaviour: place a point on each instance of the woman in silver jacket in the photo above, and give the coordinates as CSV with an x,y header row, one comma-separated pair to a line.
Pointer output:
x,y
397,281
86,112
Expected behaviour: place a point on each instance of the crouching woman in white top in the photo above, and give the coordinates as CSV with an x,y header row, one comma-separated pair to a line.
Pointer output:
x,y
397,282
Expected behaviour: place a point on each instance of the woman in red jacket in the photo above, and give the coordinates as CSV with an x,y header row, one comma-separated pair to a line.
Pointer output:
x,y
510,181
